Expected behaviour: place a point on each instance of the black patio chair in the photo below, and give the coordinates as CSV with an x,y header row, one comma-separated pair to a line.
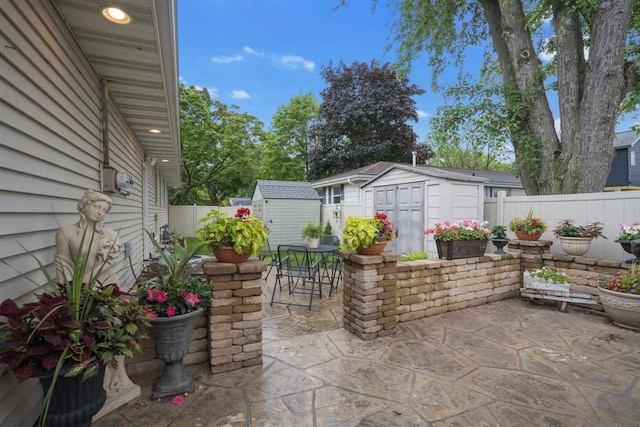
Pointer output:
x,y
265,253
298,267
334,267
330,240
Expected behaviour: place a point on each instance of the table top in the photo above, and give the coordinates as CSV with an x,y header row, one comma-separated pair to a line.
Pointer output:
x,y
319,249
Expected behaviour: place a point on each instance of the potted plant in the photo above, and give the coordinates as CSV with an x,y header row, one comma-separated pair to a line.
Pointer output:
x,y
629,239
576,239
528,228
620,297
233,239
499,238
175,298
465,239
70,333
312,233
368,236
546,281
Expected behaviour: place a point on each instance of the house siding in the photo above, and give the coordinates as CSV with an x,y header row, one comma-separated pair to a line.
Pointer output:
x,y
288,218
50,153
619,172
634,171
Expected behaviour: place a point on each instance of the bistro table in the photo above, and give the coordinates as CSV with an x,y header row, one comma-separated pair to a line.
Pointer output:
x,y
324,251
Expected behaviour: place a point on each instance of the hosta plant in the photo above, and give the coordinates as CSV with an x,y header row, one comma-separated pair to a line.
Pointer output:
x,y
365,232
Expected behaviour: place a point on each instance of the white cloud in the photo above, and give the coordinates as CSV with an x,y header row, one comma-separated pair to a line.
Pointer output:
x,y
213,92
295,61
556,124
226,59
545,55
248,50
586,52
181,79
423,114
240,94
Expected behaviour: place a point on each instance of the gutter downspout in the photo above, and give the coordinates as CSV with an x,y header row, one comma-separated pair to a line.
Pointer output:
x,y
105,123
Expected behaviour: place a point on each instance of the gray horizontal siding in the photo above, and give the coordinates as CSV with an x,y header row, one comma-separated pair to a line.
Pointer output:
x,y
619,172
50,153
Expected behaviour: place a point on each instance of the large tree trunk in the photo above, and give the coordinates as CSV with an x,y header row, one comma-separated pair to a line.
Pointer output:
x,y
589,94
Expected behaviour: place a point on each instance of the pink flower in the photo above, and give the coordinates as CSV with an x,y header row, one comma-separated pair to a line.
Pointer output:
x,y
126,300
171,311
192,299
447,223
161,296
151,294
178,400
148,312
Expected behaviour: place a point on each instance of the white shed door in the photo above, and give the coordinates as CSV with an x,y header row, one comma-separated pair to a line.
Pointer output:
x,y
404,206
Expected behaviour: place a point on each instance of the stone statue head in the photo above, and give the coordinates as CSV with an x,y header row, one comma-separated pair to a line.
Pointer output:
x,y
92,208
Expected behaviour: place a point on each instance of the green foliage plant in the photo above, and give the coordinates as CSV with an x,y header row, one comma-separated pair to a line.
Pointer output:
x,y
328,231
627,282
528,225
312,231
365,232
546,273
416,256
247,234
568,228
499,231
76,325
464,230
629,233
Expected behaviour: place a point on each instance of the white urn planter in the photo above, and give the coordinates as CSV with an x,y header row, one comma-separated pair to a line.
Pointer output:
x,y
313,243
621,307
576,246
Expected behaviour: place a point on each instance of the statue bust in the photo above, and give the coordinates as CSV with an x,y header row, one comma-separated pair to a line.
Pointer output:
x,y
102,252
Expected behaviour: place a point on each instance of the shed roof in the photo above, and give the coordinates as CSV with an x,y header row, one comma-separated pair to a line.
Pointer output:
x,y
287,190
240,201
373,170
626,139
430,171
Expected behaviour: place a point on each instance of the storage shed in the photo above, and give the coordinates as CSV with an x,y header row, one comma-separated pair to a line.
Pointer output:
x,y
286,207
415,198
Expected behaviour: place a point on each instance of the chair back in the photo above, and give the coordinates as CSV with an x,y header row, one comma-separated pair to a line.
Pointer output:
x,y
330,240
295,259
266,252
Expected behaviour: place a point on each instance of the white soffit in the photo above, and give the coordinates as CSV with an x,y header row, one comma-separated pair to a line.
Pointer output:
x,y
140,62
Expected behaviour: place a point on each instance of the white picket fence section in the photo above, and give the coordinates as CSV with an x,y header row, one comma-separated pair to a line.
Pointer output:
x,y
184,219
610,208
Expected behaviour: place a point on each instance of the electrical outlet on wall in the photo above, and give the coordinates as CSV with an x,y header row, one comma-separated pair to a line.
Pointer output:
x,y
128,249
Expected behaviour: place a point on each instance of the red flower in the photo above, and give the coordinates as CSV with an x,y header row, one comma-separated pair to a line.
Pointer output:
x,y
161,296
149,312
242,212
171,311
192,299
184,294
151,295
177,401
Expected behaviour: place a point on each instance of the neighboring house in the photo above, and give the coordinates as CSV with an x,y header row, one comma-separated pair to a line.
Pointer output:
x,y
343,196
286,207
625,167
58,60
240,201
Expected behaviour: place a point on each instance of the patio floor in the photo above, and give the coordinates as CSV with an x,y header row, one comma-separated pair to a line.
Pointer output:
x,y
505,364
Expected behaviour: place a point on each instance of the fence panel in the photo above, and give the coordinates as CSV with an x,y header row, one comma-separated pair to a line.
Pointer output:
x,y
611,209
184,219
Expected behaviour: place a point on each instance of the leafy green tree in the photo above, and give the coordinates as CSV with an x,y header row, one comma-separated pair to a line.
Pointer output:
x,y
592,90
286,148
363,119
219,149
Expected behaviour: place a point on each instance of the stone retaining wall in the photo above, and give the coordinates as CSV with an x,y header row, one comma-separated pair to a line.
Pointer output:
x,y
431,287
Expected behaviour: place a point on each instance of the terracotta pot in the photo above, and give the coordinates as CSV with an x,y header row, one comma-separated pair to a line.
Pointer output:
x,y
622,308
576,246
530,237
228,254
455,249
375,249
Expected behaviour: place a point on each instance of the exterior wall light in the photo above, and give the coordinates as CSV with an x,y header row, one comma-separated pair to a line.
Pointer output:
x,y
116,15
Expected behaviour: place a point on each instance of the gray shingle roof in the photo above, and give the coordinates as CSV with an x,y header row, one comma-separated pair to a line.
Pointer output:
x,y
372,169
625,139
287,190
494,177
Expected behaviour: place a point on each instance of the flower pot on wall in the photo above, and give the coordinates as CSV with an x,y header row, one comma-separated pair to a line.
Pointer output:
x,y
500,244
633,248
375,249
228,254
74,402
621,307
576,246
455,249
172,337
530,237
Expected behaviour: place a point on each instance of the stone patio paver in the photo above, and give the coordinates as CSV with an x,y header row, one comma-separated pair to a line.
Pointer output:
x,y
511,363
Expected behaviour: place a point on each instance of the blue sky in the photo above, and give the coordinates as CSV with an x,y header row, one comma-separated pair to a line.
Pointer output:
x,y
258,54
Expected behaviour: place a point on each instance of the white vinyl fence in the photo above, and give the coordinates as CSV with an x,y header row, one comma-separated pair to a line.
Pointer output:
x,y
184,219
611,209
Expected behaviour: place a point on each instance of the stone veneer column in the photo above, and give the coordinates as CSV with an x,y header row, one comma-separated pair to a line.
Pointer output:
x,y
370,294
235,315
530,252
